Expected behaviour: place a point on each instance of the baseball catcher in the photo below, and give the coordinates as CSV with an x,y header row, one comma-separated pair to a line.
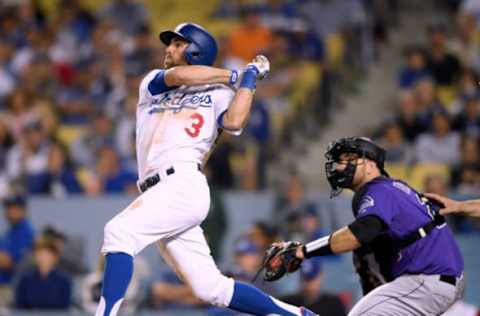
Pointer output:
x,y
404,253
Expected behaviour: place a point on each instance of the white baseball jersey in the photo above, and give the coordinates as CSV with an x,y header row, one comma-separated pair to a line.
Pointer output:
x,y
178,124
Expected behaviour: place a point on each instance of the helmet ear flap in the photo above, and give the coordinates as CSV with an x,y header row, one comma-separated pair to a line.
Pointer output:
x,y
193,54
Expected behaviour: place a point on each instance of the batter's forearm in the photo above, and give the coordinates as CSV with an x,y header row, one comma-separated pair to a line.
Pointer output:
x,y
238,112
196,75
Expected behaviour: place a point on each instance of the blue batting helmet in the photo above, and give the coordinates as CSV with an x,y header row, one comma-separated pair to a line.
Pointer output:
x,y
203,47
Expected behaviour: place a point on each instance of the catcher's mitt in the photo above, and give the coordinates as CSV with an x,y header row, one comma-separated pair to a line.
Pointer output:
x,y
279,259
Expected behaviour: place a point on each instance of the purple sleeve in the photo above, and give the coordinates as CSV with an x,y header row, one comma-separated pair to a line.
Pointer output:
x,y
378,202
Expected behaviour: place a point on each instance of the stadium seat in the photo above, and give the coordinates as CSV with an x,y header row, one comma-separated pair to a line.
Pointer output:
x,y
446,94
420,172
67,134
335,49
398,171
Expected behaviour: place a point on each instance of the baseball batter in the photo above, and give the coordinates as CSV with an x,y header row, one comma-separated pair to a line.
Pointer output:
x,y
405,254
181,109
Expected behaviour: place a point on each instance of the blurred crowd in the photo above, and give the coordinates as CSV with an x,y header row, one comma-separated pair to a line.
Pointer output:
x,y
433,136
69,76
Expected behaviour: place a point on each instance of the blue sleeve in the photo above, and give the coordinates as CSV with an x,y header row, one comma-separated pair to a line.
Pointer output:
x,y
21,243
38,183
157,85
378,202
70,181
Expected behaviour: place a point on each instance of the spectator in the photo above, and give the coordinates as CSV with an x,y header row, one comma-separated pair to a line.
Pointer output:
x,y
113,177
311,224
467,88
44,287
279,15
125,133
139,59
311,295
262,234
249,39
100,133
37,76
465,176
71,251
170,293
247,262
6,143
14,244
445,67
74,101
305,45
127,15
441,145
292,203
398,150
19,113
59,179
407,116
468,120
427,103
74,27
465,45
414,69
7,79
437,184
29,157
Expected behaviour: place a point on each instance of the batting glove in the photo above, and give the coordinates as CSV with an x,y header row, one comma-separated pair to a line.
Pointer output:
x,y
262,66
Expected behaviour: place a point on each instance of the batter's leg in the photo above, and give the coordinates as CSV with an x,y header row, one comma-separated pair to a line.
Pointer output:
x,y
189,255
159,213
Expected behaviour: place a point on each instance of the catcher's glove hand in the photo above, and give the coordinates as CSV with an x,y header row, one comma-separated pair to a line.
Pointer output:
x,y
280,258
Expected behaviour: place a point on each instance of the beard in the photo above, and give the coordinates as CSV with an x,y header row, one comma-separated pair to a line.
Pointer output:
x,y
168,62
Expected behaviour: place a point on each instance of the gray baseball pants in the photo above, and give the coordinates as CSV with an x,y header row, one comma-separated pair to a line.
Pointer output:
x,y
410,295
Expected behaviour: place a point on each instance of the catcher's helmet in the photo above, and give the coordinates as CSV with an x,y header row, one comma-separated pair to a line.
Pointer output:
x,y
364,147
203,47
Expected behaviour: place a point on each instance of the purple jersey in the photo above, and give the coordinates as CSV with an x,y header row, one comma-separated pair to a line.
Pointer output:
x,y
402,210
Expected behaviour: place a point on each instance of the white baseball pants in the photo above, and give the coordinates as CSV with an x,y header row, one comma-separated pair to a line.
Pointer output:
x,y
169,214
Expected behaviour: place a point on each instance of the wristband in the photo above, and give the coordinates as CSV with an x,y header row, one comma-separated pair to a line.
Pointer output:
x,y
319,247
249,79
233,77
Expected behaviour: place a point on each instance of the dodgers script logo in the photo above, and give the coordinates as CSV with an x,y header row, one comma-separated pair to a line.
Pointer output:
x,y
177,101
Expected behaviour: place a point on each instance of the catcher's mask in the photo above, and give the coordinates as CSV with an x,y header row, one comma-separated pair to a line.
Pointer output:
x,y
363,147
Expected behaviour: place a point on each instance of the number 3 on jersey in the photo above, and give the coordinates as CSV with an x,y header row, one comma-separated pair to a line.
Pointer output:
x,y
197,123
